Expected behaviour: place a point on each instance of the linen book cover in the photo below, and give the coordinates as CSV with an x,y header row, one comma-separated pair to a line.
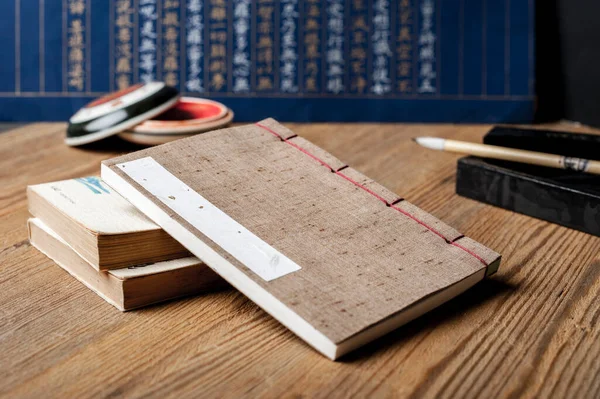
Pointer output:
x,y
337,258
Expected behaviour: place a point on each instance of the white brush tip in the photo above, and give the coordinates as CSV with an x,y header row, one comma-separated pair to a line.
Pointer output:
x,y
434,143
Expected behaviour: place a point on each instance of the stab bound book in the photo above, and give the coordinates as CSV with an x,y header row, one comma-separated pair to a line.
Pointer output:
x,y
334,256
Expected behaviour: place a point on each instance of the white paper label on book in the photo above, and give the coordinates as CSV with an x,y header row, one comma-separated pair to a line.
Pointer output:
x,y
242,244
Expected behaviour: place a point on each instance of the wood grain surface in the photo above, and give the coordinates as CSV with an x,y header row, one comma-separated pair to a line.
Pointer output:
x,y
531,330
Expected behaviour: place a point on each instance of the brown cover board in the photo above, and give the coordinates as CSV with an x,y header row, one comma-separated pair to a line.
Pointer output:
x,y
369,260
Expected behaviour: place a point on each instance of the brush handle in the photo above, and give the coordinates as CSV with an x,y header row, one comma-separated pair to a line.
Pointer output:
x,y
523,156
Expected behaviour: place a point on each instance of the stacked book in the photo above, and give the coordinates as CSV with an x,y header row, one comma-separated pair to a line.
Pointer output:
x,y
330,253
103,241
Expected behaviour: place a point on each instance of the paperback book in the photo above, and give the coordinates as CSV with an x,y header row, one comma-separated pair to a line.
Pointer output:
x,y
100,225
132,287
86,228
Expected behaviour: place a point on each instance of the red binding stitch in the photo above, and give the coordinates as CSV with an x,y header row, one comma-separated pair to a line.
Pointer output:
x,y
479,258
309,154
295,146
357,184
380,198
420,222
270,131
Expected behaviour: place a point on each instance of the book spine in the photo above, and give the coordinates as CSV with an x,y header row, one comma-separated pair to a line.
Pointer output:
x,y
484,255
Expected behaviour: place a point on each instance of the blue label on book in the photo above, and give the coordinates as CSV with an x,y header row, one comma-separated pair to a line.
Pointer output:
x,y
313,60
94,184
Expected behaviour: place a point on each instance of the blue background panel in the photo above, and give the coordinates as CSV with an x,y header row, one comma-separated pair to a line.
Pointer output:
x,y
482,57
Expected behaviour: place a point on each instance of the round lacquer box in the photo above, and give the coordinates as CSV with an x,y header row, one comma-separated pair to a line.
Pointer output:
x,y
117,112
188,117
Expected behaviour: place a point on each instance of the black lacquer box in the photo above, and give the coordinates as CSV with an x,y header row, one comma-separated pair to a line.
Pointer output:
x,y
559,196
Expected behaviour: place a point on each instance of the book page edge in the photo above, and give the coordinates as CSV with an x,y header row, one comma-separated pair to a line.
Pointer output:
x,y
33,222
32,193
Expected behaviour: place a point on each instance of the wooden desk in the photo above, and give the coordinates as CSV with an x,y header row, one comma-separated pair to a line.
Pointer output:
x,y
532,330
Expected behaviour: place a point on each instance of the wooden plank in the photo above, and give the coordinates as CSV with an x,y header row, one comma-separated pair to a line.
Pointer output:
x,y
531,330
